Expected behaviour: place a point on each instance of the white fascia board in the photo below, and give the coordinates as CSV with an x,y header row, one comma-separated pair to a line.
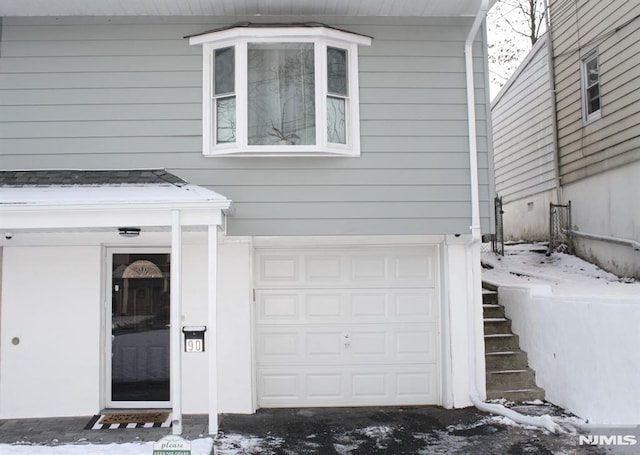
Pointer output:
x,y
269,33
16,217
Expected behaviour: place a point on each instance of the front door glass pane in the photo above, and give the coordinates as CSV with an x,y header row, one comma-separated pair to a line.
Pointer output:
x,y
140,327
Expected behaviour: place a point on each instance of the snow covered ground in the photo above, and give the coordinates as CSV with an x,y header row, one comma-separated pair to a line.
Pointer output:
x,y
579,327
198,447
523,264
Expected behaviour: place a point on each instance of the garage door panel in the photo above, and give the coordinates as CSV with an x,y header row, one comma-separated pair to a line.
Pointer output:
x,y
277,344
414,267
346,306
324,268
413,386
418,343
321,345
279,268
348,385
279,307
323,305
360,266
399,343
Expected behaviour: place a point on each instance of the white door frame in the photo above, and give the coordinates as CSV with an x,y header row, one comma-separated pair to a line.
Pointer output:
x,y
107,327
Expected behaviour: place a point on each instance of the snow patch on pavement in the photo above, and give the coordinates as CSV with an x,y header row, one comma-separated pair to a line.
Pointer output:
x,y
232,444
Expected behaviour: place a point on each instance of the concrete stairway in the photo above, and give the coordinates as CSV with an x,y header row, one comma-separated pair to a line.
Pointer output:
x,y
508,372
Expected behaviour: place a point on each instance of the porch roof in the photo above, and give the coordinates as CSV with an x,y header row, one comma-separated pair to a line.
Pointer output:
x,y
103,198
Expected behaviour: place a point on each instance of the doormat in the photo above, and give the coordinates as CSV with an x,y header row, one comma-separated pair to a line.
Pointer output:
x,y
120,420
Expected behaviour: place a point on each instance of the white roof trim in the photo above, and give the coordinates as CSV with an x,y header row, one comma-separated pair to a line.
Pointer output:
x,y
401,8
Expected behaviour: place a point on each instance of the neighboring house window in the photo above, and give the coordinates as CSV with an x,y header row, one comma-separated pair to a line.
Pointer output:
x,y
591,87
280,90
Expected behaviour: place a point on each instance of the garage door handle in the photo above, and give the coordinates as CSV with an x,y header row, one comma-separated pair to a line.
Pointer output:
x,y
347,340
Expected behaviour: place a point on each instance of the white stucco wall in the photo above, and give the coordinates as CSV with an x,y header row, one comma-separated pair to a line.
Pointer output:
x,y
528,218
584,350
235,328
194,313
607,204
51,302
462,330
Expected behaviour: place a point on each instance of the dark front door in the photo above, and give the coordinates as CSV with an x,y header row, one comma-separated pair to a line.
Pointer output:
x,y
140,328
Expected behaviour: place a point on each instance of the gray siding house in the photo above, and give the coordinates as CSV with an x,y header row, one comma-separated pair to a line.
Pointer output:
x,y
581,140
224,206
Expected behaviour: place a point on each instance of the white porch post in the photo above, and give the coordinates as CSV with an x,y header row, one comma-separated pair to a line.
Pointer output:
x,y
176,317
212,330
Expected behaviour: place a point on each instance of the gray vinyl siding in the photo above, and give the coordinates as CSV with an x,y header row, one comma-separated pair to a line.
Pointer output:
x,y
106,93
589,148
523,130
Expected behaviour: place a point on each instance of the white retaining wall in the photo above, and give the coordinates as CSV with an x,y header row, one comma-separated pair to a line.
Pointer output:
x,y
584,350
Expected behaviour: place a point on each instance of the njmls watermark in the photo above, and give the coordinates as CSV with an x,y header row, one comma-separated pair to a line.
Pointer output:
x,y
614,439
607,440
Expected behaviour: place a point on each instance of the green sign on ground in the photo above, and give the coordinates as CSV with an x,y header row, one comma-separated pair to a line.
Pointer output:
x,y
172,445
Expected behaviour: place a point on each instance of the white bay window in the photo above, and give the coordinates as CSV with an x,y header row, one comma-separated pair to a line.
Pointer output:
x,y
280,91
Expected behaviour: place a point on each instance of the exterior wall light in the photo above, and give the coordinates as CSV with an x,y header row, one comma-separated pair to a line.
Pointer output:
x,y
129,231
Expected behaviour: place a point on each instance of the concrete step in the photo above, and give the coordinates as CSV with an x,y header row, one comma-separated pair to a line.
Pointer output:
x,y
524,378
494,326
490,310
501,342
489,286
506,360
519,395
489,296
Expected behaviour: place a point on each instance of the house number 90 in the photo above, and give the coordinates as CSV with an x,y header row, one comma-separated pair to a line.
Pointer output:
x,y
194,345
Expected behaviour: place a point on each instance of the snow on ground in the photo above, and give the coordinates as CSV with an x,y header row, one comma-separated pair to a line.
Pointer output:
x,y
198,447
564,273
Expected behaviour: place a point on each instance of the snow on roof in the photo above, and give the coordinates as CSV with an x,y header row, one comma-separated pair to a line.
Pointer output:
x,y
65,187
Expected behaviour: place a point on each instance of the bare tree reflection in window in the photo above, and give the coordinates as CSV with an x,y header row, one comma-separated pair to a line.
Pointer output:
x,y
281,82
337,95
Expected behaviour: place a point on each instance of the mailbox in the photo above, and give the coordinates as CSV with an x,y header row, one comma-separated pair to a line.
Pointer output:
x,y
194,338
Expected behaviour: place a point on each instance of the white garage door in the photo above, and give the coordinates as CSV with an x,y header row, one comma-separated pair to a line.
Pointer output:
x,y
347,327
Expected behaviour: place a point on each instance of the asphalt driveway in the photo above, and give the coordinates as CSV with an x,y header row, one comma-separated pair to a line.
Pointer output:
x,y
392,430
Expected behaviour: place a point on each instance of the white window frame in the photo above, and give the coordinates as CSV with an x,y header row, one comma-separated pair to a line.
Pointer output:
x,y
321,37
584,89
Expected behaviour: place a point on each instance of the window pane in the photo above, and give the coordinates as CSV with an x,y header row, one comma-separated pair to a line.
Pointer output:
x,y
592,72
337,70
281,85
224,68
336,121
225,120
593,101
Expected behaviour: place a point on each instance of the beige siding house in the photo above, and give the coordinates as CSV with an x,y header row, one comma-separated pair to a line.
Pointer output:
x,y
524,148
596,77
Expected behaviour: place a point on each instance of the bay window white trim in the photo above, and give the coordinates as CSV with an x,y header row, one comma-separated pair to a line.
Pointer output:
x,y
239,38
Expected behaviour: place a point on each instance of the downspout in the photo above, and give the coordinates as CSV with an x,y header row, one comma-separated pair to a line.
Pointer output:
x,y
474,294
552,98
